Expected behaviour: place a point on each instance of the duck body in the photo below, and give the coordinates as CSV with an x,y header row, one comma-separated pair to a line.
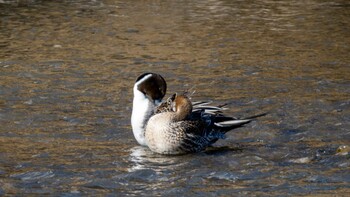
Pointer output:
x,y
166,136
184,130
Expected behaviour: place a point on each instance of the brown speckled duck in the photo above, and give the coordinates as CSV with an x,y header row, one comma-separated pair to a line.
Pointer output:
x,y
183,130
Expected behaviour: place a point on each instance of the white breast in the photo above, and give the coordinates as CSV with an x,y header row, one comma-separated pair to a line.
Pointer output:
x,y
141,111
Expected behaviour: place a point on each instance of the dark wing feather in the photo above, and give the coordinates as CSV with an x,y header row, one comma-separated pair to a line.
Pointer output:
x,y
195,138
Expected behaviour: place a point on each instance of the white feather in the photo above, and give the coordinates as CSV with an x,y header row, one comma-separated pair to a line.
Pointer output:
x,y
141,109
231,123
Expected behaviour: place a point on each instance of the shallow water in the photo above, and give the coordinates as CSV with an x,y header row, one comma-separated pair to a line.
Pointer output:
x,y
67,71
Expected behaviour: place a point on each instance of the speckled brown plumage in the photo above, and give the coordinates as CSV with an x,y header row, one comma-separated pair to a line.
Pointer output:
x,y
180,130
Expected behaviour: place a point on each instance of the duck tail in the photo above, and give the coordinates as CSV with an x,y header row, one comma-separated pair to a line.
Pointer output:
x,y
232,123
227,125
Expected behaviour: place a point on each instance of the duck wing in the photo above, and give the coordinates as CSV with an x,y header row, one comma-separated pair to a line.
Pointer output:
x,y
194,137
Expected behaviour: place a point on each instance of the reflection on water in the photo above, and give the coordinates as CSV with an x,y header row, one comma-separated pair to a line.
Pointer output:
x,y
67,70
142,158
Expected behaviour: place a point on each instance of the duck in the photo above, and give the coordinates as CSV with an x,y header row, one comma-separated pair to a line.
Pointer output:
x,y
185,130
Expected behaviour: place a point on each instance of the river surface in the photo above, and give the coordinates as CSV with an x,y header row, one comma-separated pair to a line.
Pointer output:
x,y
67,70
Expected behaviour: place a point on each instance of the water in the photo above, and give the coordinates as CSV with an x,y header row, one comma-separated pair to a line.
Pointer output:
x,y
67,71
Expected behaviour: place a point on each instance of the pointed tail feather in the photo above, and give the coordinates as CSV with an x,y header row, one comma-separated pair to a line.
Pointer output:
x,y
232,123
227,125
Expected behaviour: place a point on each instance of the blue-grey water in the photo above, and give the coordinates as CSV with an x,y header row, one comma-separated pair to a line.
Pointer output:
x,y
67,70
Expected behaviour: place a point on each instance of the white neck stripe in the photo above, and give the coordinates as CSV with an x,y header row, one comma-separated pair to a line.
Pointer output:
x,y
143,79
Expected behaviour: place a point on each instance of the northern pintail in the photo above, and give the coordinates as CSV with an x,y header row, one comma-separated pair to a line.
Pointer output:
x,y
185,129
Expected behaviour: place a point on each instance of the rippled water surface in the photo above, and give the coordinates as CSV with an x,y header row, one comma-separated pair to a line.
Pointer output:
x,y
67,69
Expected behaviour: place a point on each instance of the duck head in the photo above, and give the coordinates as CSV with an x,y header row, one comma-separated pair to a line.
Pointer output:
x,y
152,86
182,106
